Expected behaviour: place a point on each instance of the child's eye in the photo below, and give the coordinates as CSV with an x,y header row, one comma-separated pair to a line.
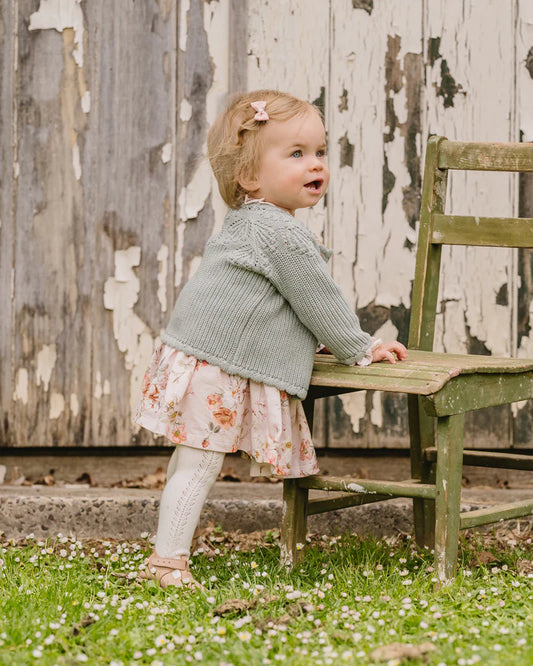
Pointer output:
x,y
321,153
297,153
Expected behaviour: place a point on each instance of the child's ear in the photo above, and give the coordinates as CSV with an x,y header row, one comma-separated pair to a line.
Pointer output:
x,y
248,183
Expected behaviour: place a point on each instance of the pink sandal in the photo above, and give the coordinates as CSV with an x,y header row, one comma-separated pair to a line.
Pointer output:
x,y
169,572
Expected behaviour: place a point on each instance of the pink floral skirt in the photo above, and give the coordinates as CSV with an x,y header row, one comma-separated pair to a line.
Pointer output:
x,y
197,404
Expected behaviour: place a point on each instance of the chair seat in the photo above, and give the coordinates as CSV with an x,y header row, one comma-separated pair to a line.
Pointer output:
x,y
445,379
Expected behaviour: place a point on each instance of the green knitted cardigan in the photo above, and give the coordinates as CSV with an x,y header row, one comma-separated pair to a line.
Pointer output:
x,y
260,301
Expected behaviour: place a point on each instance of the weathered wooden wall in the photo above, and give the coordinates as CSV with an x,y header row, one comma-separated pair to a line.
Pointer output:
x,y
106,200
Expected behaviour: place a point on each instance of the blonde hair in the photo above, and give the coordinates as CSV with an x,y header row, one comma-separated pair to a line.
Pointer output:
x,y
234,141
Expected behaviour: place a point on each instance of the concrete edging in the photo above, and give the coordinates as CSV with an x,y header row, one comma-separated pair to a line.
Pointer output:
x,y
86,512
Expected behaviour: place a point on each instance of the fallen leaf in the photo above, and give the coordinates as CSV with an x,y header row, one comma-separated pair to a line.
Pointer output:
x,y
524,566
85,622
46,480
234,606
484,557
268,598
401,651
152,481
85,477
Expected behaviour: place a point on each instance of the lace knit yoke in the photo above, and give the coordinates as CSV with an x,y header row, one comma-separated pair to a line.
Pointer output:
x,y
260,301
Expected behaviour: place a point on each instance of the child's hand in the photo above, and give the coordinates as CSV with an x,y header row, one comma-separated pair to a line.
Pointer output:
x,y
386,350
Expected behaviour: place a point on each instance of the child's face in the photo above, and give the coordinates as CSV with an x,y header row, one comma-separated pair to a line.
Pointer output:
x,y
293,171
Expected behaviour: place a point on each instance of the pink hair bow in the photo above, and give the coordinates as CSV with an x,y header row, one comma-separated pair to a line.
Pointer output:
x,y
260,108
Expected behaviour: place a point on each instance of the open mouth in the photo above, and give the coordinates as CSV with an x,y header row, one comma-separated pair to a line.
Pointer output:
x,y
314,185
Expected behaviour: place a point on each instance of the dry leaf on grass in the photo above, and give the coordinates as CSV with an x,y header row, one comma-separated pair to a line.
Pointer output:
x,y
483,558
401,651
525,566
85,622
234,606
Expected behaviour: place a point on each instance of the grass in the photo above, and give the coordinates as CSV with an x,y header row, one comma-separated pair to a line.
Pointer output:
x,y
67,602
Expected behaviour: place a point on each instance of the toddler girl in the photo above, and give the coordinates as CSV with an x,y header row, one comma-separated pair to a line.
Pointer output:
x,y
237,356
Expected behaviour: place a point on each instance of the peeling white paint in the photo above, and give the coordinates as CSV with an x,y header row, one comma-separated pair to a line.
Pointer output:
x,y
86,101
178,256
354,406
133,336
59,15
98,391
162,257
76,163
183,24
46,360
193,266
74,404
217,28
21,386
166,153
57,405
185,110
376,413
524,83
193,197
99,388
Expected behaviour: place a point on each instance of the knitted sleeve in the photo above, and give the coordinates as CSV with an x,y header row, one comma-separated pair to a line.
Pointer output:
x,y
292,262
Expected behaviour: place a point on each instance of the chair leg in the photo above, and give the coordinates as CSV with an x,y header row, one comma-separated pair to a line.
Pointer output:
x,y
448,494
421,430
293,522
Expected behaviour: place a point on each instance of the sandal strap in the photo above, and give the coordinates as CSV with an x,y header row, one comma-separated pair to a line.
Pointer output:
x,y
168,563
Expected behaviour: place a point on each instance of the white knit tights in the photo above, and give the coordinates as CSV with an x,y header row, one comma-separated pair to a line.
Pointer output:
x,y
190,476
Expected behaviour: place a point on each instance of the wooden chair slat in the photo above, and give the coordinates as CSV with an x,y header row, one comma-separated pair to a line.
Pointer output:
x,y
489,459
482,231
497,513
486,156
369,486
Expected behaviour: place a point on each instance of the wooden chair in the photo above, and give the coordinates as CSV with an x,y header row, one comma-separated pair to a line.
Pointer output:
x,y
440,387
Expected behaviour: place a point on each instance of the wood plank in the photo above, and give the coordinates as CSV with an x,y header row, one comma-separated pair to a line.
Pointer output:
x,y
486,156
440,362
497,513
475,302
131,237
11,390
448,494
410,488
406,377
375,138
523,333
293,522
428,257
489,459
52,282
342,502
482,231
477,391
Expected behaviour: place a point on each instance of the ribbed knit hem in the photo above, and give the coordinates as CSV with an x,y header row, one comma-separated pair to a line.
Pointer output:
x,y
276,382
357,357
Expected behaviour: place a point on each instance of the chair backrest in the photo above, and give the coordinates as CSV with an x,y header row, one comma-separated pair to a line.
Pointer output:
x,y
438,229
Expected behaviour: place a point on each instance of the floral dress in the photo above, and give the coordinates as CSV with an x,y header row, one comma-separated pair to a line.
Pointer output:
x,y
195,403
